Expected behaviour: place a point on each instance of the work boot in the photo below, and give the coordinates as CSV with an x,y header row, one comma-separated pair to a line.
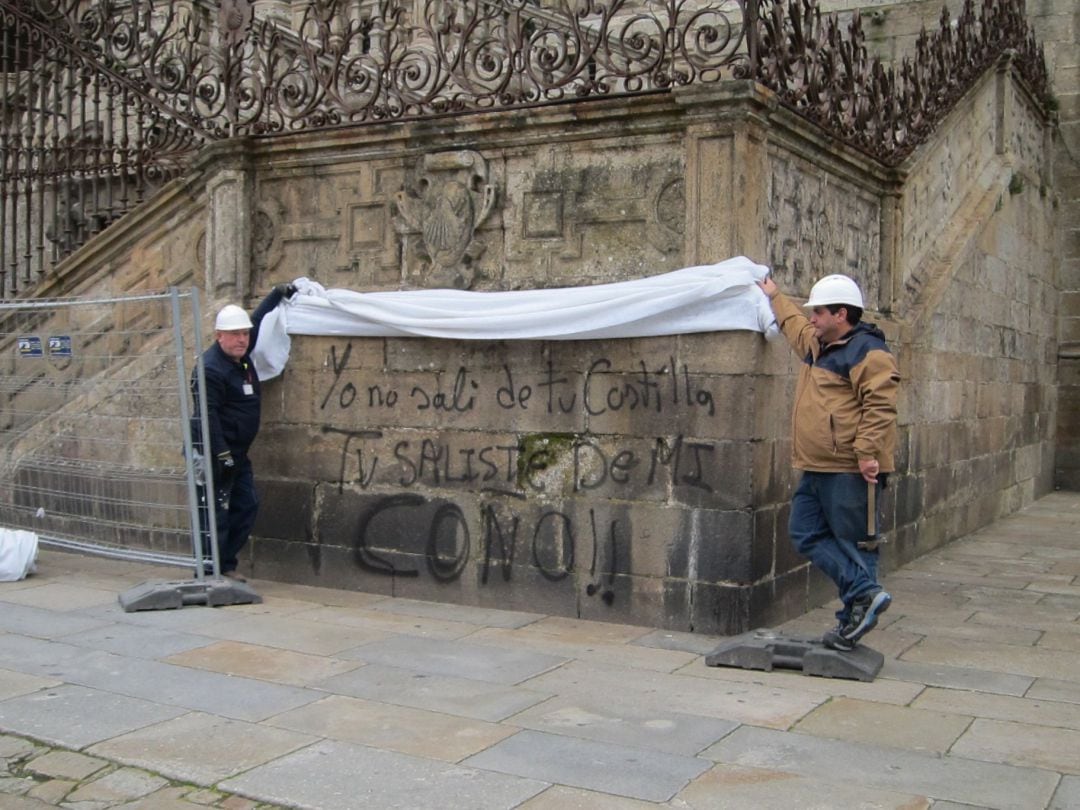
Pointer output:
x,y
234,575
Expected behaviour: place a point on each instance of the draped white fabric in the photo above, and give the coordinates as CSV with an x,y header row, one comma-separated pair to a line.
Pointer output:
x,y
706,298
18,553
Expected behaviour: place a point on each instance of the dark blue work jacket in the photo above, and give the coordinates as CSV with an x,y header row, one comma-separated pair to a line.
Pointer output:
x,y
233,404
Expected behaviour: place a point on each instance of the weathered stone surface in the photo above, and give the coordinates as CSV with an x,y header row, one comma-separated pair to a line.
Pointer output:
x,y
383,460
66,765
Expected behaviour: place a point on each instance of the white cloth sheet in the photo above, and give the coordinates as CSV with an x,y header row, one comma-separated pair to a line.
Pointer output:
x,y
706,298
18,553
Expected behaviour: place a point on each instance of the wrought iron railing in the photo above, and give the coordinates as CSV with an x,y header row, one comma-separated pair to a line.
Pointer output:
x,y
101,100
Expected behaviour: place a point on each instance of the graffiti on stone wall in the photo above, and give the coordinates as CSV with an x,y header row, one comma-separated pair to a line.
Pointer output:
x,y
445,544
668,386
525,490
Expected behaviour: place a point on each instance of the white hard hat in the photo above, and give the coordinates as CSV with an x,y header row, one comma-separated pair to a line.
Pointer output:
x,y
232,318
835,289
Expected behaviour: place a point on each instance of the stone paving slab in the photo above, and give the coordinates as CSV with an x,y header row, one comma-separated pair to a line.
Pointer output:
x,y
61,597
682,642
881,690
66,765
582,631
13,684
421,733
1067,796
201,748
999,598
625,724
17,748
287,633
479,700
386,623
1003,787
1049,712
1066,605
484,617
970,631
333,775
123,785
560,797
758,703
317,596
40,623
1061,641
25,803
262,663
585,649
1025,744
135,641
183,687
53,791
1005,658
75,716
1050,689
36,656
979,680
1039,617
273,606
457,659
1063,589
731,787
621,770
861,721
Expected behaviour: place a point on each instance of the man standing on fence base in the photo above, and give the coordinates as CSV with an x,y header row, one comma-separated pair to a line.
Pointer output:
x,y
233,410
844,438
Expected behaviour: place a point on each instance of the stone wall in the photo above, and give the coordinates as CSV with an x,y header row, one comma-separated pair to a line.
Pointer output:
x,y
647,480
644,480
891,29
1057,23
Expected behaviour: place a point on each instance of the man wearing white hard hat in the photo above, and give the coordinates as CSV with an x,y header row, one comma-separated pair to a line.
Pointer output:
x,y
233,408
844,439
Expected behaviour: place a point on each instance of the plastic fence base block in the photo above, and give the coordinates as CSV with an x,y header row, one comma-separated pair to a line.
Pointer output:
x,y
767,650
171,595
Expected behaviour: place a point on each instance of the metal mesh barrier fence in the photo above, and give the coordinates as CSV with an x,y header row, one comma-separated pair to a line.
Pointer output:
x,y
94,422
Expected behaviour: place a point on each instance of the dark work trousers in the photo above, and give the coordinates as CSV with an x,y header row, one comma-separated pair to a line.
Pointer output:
x,y
828,520
236,506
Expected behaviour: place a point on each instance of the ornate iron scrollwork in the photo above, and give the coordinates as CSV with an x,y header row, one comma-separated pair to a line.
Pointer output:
x,y
824,73
160,78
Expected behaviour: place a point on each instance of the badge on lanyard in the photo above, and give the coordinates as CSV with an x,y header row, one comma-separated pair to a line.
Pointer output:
x,y
249,388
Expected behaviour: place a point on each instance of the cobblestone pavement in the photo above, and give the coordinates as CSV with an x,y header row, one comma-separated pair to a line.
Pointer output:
x,y
34,776
337,700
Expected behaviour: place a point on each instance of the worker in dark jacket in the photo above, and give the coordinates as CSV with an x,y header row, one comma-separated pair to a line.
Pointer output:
x,y
233,410
844,439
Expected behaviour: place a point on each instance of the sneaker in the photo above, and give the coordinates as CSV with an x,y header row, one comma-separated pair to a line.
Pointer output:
x,y
864,614
834,639
234,575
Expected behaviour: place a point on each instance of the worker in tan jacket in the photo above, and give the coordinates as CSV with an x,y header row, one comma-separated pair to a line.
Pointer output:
x,y
844,439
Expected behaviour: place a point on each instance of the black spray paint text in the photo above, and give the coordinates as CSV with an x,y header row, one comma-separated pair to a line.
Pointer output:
x,y
598,392
437,461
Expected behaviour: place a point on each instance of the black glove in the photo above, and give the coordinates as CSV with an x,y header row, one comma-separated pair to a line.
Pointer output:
x,y
224,467
286,290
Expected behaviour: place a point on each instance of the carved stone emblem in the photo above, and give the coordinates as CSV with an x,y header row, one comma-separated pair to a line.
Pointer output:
x,y
450,196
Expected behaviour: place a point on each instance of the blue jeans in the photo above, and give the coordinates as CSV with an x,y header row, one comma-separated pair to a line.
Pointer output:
x,y
234,523
828,520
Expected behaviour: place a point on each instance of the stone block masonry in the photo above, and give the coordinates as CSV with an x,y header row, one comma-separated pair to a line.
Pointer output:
x,y
642,481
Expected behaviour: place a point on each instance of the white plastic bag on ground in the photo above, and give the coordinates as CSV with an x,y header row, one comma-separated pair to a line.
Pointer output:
x,y
18,552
